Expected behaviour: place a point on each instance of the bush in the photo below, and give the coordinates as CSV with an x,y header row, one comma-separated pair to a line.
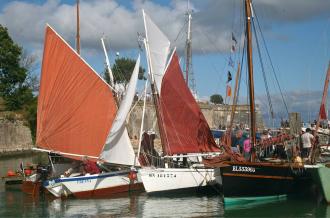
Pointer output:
x,y
216,99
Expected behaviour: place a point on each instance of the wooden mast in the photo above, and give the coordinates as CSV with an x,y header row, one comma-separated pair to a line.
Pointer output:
x,y
155,94
248,14
188,48
78,35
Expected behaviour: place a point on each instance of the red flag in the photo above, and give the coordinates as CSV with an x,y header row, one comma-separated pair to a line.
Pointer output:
x,y
228,91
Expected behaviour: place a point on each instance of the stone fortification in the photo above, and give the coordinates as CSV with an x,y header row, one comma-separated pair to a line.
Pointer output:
x,y
217,116
15,136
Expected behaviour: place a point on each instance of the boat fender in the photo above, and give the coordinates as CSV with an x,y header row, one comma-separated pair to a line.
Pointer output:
x,y
11,173
132,175
27,172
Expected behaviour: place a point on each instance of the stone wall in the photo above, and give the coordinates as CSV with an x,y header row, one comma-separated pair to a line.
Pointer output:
x,y
14,136
216,116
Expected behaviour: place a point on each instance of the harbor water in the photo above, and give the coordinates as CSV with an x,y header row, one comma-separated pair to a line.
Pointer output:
x,y
14,203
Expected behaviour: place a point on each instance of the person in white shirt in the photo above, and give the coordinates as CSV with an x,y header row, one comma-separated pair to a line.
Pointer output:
x,y
307,140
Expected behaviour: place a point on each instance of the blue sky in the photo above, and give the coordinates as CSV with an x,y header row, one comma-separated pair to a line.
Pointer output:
x,y
297,34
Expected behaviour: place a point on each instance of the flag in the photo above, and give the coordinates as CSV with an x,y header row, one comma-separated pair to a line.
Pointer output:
x,y
228,91
233,38
231,62
323,115
233,48
229,77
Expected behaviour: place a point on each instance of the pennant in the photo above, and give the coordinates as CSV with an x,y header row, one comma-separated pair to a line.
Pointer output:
x,y
323,115
231,62
228,91
229,77
233,38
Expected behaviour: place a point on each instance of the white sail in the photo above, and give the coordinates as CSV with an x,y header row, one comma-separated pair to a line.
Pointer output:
x,y
158,48
108,63
118,148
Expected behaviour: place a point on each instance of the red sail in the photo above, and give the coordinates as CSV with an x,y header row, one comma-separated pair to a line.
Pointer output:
x,y
75,106
323,115
186,129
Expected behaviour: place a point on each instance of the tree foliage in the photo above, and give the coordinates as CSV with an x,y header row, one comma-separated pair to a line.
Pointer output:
x,y
122,70
216,99
29,62
30,115
13,88
17,80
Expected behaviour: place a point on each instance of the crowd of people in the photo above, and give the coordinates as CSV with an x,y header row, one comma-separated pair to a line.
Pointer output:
x,y
240,143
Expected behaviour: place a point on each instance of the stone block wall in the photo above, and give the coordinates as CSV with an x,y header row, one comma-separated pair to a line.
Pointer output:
x,y
14,136
216,115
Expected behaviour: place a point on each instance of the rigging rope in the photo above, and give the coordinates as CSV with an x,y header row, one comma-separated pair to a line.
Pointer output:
x,y
271,63
120,75
242,63
263,72
181,30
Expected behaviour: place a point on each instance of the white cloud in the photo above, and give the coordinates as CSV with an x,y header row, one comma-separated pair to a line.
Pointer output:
x,y
307,103
292,10
212,20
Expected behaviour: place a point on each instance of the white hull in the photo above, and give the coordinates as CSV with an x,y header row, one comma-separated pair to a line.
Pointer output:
x,y
169,179
57,189
98,185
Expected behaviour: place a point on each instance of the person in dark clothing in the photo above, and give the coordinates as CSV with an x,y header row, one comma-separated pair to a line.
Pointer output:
x,y
237,142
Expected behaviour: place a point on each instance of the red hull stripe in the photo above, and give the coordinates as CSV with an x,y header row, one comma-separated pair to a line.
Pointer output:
x,y
111,191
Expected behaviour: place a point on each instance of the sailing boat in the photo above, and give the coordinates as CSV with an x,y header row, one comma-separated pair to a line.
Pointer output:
x,y
183,129
321,171
77,116
244,180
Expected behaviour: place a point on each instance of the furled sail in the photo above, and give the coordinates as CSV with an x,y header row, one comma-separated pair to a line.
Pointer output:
x,y
76,107
158,49
186,129
118,148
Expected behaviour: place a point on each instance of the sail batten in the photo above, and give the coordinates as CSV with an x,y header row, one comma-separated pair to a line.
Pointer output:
x,y
76,107
186,129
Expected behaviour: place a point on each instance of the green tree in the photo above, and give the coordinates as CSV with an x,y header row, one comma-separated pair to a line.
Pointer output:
x,y
13,87
30,115
122,70
216,99
29,62
17,80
